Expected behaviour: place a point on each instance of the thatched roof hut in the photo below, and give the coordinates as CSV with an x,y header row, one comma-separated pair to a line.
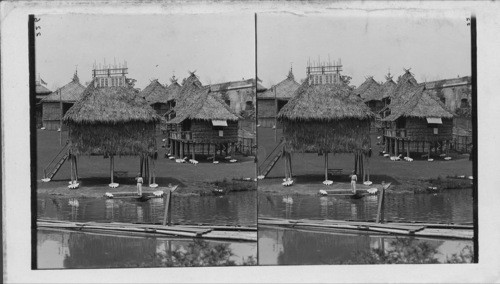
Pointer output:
x,y
418,103
111,121
387,89
200,117
173,89
56,104
326,118
284,90
368,89
69,93
155,93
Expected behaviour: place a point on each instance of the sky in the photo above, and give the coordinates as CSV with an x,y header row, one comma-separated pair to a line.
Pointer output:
x,y
434,48
220,47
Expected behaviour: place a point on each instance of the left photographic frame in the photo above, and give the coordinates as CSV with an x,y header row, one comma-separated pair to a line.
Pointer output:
x,y
143,140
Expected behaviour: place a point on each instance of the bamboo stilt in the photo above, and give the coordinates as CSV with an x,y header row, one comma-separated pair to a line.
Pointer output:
x,y
326,165
112,166
290,164
141,161
408,150
192,151
76,169
71,166
154,171
429,151
149,172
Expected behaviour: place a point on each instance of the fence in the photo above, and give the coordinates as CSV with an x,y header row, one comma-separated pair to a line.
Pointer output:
x,y
462,143
246,146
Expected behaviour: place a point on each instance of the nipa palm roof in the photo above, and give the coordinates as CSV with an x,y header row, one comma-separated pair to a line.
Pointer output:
x,y
197,102
69,93
368,89
156,93
110,105
418,103
40,89
283,90
324,102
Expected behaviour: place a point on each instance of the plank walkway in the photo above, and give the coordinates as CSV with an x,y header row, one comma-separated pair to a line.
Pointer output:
x,y
449,231
228,233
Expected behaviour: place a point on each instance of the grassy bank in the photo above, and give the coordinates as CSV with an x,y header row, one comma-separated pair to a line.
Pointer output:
x,y
94,172
406,177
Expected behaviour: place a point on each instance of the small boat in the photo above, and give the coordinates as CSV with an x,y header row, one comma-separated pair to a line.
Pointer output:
x,y
219,191
357,195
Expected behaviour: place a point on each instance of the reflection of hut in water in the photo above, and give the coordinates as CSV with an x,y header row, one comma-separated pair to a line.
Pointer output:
x,y
202,123
111,121
308,248
417,117
326,118
98,251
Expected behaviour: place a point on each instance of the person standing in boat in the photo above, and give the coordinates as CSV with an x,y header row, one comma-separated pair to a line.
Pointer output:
x,y
354,179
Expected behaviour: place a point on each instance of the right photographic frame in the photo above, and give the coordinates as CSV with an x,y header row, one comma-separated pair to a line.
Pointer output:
x,y
366,136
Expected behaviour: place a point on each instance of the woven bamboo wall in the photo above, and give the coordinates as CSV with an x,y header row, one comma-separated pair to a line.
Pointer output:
x,y
266,108
203,132
417,129
51,111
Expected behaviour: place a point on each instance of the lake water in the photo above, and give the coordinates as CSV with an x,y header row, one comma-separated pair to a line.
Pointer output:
x,y
69,249
232,209
278,246
290,246
454,206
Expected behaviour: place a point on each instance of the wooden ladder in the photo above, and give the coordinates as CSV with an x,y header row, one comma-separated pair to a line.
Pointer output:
x,y
59,163
271,159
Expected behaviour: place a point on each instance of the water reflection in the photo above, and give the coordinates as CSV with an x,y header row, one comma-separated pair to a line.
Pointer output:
x,y
279,246
238,208
448,206
65,249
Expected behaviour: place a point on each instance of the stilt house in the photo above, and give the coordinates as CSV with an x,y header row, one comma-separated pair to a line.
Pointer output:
x,y
59,102
326,117
111,121
202,123
417,119
271,101
158,97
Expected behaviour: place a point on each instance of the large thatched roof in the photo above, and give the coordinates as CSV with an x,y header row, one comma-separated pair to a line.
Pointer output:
x,y
69,93
155,93
368,89
283,90
418,103
173,89
387,89
110,105
324,102
198,102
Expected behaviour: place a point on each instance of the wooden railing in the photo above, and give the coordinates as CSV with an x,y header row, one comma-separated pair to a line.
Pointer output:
x,y
181,135
401,132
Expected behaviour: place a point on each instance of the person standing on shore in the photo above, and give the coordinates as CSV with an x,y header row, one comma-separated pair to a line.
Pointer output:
x,y
139,184
354,179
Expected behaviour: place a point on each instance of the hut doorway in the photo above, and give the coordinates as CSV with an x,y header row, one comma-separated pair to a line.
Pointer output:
x,y
401,122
